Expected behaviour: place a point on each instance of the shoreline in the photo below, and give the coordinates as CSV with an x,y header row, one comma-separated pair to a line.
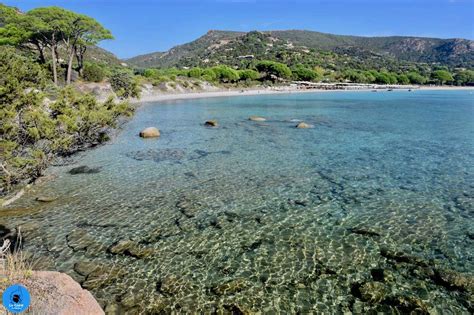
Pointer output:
x,y
157,97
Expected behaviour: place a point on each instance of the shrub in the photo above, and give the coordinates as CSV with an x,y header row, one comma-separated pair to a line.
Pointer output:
x,y
32,130
225,74
273,70
150,73
385,78
302,73
93,72
355,76
403,79
209,75
442,76
195,73
465,77
416,78
124,84
248,75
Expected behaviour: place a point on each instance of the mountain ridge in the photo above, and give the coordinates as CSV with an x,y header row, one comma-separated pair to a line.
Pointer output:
x,y
452,52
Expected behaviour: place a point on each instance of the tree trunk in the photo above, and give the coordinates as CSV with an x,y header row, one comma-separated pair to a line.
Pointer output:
x,y
41,52
53,56
80,51
69,66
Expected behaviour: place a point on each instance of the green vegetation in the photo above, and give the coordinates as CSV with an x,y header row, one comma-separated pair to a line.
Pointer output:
x,y
53,29
225,74
93,72
272,70
248,75
442,76
313,56
464,77
416,78
275,72
334,52
302,73
39,120
124,84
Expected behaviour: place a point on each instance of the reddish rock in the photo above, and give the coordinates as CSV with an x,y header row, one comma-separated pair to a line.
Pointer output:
x,y
57,293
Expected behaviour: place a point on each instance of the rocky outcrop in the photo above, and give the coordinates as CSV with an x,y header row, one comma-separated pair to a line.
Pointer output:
x,y
150,132
57,293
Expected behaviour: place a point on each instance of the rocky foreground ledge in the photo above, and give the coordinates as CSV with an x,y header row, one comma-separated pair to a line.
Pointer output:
x,y
57,293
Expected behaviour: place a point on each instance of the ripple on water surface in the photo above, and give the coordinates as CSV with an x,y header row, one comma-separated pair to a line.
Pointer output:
x,y
372,209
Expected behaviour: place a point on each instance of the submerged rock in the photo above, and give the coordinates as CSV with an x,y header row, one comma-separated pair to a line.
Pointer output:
x,y
29,230
150,132
157,155
80,239
188,206
231,287
211,123
454,280
363,232
98,274
257,118
172,285
131,248
373,292
401,257
84,169
46,198
44,179
85,268
303,125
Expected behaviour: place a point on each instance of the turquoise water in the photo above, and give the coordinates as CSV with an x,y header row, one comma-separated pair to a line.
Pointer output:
x,y
367,211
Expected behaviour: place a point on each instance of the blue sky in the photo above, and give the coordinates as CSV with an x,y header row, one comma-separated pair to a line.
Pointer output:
x,y
142,26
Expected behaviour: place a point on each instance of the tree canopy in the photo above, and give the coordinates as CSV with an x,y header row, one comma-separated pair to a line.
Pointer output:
x,y
51,28
442,76
273,70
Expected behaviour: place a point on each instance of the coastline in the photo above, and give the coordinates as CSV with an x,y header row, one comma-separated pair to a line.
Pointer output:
x,y
160,96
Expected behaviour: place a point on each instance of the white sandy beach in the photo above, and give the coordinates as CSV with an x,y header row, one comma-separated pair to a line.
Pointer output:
x,y
164,96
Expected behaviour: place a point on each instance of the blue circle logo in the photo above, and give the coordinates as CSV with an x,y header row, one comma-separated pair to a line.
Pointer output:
x,y
16,298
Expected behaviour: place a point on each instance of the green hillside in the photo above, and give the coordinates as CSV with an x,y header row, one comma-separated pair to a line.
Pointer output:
x,y
313,48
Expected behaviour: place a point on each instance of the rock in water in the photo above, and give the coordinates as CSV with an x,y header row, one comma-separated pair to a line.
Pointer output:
x,y
211,123
84,170
257,118
373,292
46,198
303,125
150,132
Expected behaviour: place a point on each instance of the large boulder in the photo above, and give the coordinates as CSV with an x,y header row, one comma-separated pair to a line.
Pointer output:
x,y
57,292
257,118
150,132
211,123
303,125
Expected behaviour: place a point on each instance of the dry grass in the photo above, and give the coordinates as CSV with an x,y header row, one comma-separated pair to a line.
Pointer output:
x,y
15,266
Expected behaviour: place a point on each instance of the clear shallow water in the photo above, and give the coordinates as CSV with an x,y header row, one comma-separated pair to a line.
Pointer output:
x,y
375,200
